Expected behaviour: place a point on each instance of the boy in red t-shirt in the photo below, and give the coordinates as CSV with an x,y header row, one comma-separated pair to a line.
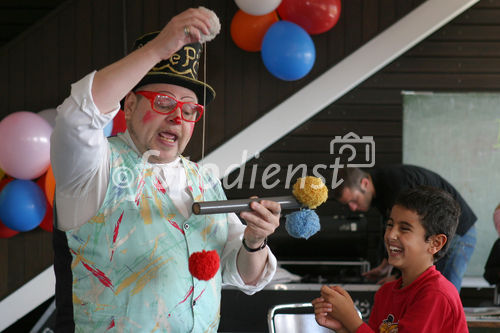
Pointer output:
x,y
422,221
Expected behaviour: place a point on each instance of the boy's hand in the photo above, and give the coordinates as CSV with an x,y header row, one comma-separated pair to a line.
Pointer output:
x,y
321,311
342,306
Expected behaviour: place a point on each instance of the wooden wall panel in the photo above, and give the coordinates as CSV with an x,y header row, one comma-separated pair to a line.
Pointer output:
x,y
152,22
369,21
84,35
4,83
456,65
387,13
34,71
452,49
100,37
117,44
49,86
134,21
16,76
353,17
336,42
4,270
67,53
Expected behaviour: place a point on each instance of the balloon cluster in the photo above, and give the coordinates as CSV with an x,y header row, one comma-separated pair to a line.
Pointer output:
x,y
27,183
287,50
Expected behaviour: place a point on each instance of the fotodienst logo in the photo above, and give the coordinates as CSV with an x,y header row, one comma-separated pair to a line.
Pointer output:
x,y
272,175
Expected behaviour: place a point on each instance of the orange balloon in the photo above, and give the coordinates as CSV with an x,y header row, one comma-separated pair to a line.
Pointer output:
x,y
49,186
248,30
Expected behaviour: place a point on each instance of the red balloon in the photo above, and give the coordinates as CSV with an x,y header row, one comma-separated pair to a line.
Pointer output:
x,y
119,123
5,181
4,231
315,16
47,222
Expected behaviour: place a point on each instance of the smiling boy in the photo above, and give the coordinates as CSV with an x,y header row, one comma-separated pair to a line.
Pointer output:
x,y
422,221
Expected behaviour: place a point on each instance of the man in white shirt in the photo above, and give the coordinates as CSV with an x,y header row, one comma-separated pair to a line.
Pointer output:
x,y
126,232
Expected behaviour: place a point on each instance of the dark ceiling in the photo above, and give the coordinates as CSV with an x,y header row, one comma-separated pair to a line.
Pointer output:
x,y
18,15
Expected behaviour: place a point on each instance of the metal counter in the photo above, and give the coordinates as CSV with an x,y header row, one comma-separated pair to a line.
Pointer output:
x,y
244,313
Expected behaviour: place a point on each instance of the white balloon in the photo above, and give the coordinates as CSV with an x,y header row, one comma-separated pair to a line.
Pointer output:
x,y
257,7
49,115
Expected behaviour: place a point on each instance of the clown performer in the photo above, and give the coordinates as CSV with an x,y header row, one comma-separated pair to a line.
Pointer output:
x,y
125,233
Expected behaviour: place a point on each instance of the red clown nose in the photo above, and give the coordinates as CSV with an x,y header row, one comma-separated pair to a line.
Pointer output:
x,y
204,265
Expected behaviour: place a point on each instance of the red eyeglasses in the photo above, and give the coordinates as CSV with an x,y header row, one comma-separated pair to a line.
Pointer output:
x,y
165,104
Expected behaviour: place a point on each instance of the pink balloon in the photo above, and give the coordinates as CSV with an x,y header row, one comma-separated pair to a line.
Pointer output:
x,y
25,145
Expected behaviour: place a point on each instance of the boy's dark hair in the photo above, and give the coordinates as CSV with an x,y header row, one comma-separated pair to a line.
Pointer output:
x,y
437,210
351,179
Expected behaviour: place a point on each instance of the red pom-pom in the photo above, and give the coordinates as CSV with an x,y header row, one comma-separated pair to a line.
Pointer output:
x,y
203,265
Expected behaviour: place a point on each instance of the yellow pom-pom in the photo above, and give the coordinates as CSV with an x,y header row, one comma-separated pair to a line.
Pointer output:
x,y
310,191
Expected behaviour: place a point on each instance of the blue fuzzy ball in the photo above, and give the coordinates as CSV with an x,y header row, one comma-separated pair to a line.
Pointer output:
x,y
302,224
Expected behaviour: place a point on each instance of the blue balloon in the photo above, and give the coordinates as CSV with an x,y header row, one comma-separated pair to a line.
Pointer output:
x,y
288,51
22,205
108,129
